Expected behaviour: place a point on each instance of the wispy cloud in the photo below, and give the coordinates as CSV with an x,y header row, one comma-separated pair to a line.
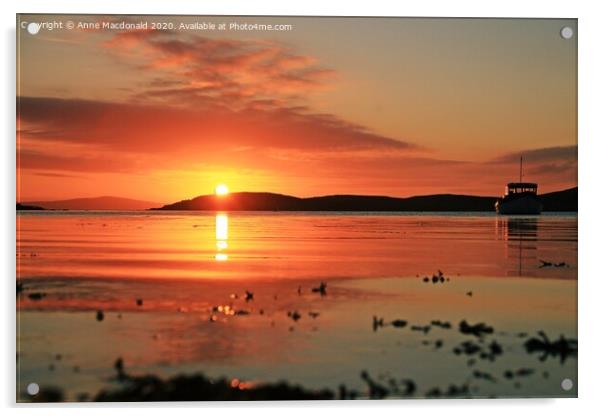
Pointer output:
x,y
240,71
56,175
556,165
150,129
546,154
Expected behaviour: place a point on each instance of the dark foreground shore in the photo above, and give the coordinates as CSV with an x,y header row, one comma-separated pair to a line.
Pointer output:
x,y
302,331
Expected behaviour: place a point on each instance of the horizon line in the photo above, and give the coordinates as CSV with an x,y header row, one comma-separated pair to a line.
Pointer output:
x,y
276,193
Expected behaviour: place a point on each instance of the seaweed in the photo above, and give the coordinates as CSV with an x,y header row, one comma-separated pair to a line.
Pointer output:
x,y
562,347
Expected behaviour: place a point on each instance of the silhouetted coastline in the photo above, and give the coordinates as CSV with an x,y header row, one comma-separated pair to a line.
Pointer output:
x,y
263,201
25,207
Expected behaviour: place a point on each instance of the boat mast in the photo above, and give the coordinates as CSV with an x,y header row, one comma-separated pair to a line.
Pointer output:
x,y
520,179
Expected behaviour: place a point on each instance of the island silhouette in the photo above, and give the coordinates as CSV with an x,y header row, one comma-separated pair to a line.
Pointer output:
x,y
565,200
560,201
98,203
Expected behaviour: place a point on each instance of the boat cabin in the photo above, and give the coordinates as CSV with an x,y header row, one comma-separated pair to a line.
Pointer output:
x,y
514,188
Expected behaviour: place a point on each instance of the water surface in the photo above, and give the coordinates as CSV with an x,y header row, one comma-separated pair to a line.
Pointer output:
x,y
189,273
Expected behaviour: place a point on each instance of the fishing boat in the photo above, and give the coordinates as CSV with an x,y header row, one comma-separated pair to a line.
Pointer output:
x,y
520,198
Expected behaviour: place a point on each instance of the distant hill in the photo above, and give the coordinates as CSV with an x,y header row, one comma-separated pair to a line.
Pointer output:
x,y
22,207
561,201
239,201
99,203
262,201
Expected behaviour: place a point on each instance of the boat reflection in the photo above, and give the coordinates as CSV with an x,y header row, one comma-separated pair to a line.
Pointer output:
x,y
221,236
520,236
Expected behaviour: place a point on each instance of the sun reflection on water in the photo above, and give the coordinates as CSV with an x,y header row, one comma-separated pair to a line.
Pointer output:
x,y
221,236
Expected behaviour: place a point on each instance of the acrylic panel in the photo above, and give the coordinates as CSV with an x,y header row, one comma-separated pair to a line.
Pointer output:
x,y
295,208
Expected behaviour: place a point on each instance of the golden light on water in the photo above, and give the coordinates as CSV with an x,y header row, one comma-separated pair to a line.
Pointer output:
x,y
221,189
221,236
221,227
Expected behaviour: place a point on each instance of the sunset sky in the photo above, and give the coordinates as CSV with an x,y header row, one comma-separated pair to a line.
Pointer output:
x,y
335,106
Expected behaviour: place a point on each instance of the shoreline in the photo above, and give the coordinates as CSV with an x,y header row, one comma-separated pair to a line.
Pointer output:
x,y
296,345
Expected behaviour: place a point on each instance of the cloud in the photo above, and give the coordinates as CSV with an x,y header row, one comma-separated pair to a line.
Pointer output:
x,y
196,67
557,165
555,168
203,102
558,153
71,134
35,160
56,175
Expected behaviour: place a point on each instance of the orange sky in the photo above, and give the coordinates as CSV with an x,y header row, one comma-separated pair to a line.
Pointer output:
x,y
365,106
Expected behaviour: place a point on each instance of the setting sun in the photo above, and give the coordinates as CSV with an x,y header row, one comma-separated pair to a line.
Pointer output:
x,y
221,189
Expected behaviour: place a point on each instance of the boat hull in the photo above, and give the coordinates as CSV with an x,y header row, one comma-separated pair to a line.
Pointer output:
x,y
522,205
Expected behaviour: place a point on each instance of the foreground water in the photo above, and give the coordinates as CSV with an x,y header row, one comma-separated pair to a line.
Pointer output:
x,y
172,291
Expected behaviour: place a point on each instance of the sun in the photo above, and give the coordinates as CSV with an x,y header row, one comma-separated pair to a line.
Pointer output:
x,y
221,189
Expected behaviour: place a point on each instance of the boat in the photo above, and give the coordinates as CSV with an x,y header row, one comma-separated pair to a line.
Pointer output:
x,y
520,198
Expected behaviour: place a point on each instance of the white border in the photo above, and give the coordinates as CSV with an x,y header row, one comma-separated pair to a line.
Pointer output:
x,y
590,135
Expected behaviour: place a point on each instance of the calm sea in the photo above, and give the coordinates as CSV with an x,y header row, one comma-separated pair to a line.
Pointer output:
x,y
173,290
